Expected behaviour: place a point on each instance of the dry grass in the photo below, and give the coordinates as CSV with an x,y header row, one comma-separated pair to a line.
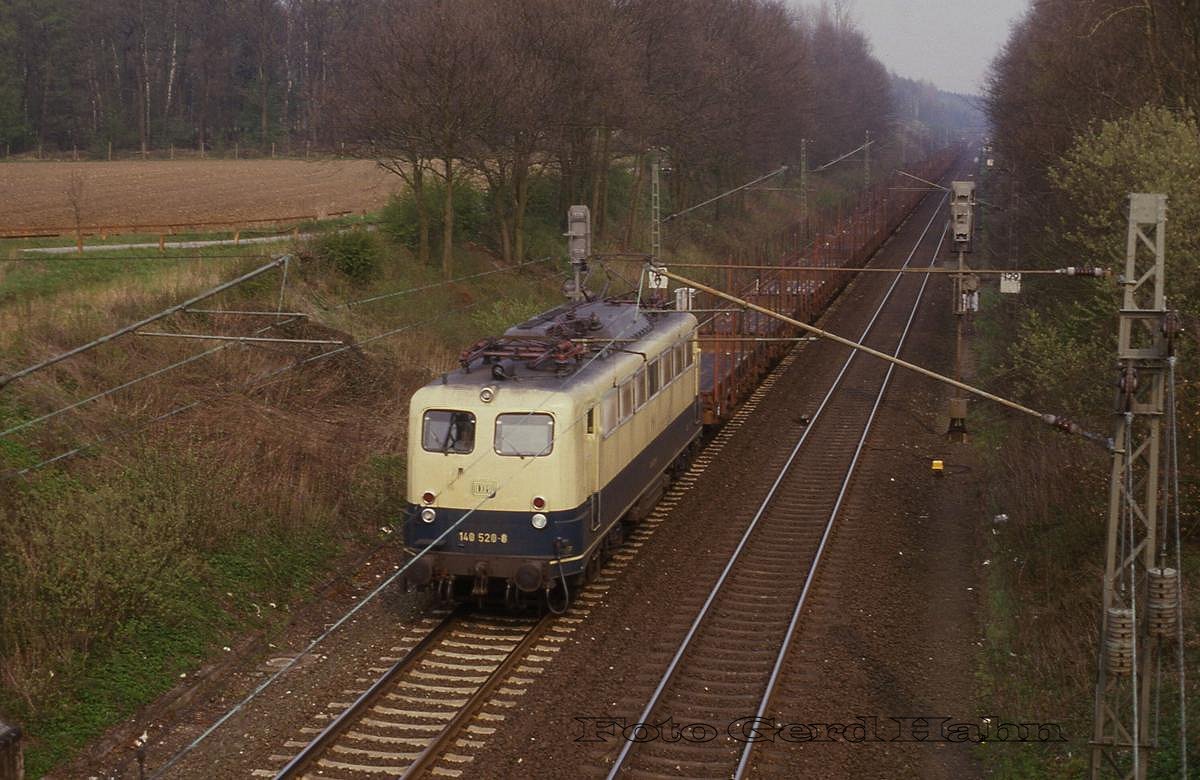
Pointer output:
x,y
318,447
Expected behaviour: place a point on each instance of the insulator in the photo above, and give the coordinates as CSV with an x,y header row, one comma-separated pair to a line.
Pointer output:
x,y
1172,324
1118,642
1162,615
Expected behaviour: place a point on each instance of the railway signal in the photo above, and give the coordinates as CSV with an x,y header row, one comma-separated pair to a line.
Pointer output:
x,y
579,247
966,292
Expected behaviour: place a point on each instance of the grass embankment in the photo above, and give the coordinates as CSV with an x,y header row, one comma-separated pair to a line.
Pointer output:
x,y
130,565
1045,561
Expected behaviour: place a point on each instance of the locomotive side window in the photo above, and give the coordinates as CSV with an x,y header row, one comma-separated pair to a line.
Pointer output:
x,y
668,364
687,354
653,378
609,417
680,352
448,431
626,400
639,389
524,434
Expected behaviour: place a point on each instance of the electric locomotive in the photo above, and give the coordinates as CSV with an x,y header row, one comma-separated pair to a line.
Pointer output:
x,y
525,466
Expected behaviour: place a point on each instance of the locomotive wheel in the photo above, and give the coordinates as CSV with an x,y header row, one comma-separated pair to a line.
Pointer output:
x,y
593,567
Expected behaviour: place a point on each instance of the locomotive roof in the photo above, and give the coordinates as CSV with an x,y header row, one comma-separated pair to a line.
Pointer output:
x,y
630,328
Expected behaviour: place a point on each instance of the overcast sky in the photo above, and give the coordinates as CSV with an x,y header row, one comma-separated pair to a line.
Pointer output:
x,y
947,42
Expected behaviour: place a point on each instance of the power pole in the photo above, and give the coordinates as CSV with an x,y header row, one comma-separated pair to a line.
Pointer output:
x,y
966,286
1134,620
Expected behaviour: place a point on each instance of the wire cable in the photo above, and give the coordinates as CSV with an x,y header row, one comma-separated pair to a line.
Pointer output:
x,y
387,582
422,288
181,363
1173,468
254,385
1135,731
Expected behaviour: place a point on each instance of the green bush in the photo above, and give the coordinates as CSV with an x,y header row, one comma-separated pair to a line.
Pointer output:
x,y
401,224
353,253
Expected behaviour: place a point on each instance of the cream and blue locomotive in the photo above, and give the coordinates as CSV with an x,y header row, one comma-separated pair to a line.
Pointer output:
x,y
526,466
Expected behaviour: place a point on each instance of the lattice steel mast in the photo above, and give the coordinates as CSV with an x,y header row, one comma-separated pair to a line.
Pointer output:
x,y
1134,620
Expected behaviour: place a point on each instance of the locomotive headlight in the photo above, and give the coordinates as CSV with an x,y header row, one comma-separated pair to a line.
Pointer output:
x,y
538,521
538,503
488,394
428,496
428,514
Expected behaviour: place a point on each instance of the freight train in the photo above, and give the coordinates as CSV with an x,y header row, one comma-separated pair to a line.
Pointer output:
x,y
525,467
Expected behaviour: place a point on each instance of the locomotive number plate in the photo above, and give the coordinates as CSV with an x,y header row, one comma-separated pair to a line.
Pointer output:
x,y
482,537
483,488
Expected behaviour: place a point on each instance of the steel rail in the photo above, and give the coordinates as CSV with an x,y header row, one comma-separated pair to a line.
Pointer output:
x,y
673,666
789,635
476,700
338,726
320,745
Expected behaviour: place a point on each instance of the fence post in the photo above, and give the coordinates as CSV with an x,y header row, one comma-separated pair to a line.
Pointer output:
x,y
12,761
110,151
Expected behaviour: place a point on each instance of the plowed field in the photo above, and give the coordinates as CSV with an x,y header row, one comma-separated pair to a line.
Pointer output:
x,y
115,194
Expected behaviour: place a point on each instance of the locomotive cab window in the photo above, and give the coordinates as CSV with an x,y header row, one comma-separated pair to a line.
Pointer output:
x,y
448,431
524,434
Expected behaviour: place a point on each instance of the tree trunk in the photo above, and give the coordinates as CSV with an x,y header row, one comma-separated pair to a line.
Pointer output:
x,y
601,216
448,219
262,100
144,114
499,196
635,196
595,158
418,182
520,202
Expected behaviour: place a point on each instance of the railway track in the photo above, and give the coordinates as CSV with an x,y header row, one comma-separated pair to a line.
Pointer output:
x,y
416,718
454,679
419,709
729,661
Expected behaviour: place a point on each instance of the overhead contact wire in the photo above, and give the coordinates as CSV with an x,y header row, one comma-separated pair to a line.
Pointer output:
x,y
373,594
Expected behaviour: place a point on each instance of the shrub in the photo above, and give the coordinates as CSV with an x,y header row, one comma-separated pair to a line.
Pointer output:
x,y
353,253
401,224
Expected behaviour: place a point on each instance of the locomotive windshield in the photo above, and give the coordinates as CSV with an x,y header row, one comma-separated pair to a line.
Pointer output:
x,y
448,431
524,434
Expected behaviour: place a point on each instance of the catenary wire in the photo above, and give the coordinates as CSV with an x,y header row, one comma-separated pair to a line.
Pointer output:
x,y
374,593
